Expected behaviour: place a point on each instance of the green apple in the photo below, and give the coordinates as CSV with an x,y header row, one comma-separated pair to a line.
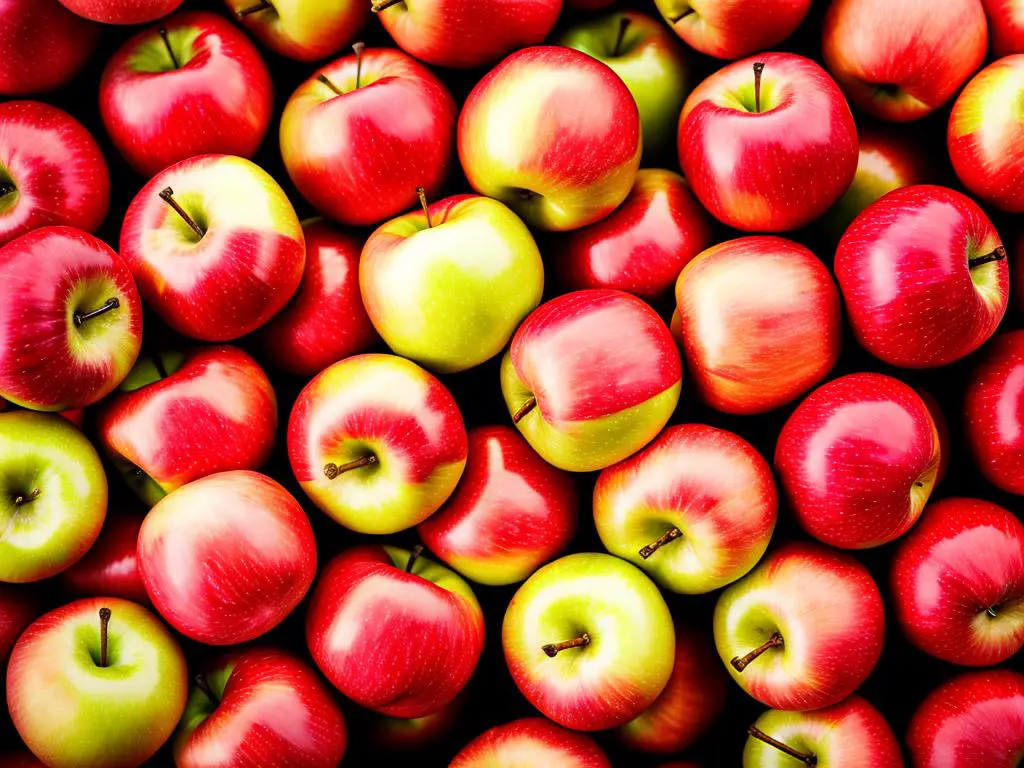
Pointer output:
x,y
53,495
448,286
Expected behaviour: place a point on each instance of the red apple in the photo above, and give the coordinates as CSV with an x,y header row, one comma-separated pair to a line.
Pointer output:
x,y
17,610
1005,25
729,29
307,30
44,45
532,741
122,11
942,427
111,566
994,412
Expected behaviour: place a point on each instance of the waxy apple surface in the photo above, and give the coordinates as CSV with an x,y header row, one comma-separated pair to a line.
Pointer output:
x,y
44,45
729,29
301,29
532,741
122,11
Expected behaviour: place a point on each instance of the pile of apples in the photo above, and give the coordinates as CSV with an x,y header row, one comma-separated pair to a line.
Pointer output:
x,y
423,472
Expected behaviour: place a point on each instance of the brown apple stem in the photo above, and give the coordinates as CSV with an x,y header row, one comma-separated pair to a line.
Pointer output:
x,y
803,757
203,685
740,663
682,15
167,45
998,254
21,500
324,79
80,318
623,26
524,409
359,48
167,195
104,622
379,5
422,194
413,557
332,470
671,534
758,69
552,649
6,188
260,6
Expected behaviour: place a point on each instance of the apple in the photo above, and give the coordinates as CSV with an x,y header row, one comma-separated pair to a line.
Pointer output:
x,y
18,607
51,171
942,427
401,734
195,68
510,513
730,29
1005,25
590,378
972,720
553,133
98,682
179,417
994,412
44,45
803,630
325,321
215,246
71,327
227,557
262,707
589,641
530,741
448,286
111,566
760,322
361,134
924,276
695,509
768,143
394,632
301,29
122,11
377,443
901,61
858,459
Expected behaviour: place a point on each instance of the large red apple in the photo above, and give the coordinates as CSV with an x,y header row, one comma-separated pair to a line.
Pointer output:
x,y
531,741
44,45
111,566
994,412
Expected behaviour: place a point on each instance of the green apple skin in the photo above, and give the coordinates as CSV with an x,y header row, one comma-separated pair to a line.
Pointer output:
x,y
450,294
651,63
73,713
53,495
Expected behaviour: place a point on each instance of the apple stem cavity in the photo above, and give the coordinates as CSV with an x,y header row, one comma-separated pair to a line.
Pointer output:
x,y
359,48
671,534
553,649
79,318
803,757
326,81
998,254
21,500
422,194
260,6
624,23
203,685
524,409
380,5
332,470
758,69
414,555
167,45
6,188
167,195
104,623
740,663
993,611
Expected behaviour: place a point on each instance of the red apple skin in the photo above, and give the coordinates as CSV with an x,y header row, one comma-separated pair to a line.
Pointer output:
x,y
778,169
942,427
226,558
122,11
17,610
994,412
1005,26
111,567
911,296
511,512
326,320
735,28
976,719
531,741
275,712
42,45
858,459
642,245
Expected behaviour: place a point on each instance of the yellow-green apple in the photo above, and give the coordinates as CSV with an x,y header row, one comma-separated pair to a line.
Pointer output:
x,y
729,29
377,443
215,246
994,412
448,286
393,631
589,641
641,246
53,495
396,113
695,509
227,557
924,277
99,682
51,171
111,567
325,322
510,513
402,734
555,134
650,62
858,460
71,320
306,30
1005,25
760,322
901,61
768,143
803,630
532,741
18,607
179,417
122,11
44,45
262,707
958,583
590,378
852,734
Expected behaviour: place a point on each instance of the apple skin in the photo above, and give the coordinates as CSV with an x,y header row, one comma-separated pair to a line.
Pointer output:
x,y
122,11
47,362
399,643
773,170
319,128
912,298
641,246
303,30
554,134
603,371
710,485
73,713
510,513
152,103
620,671
449,290
730,29
401,734
1005,26
531,741
325,322
18,608
760,321
271,710
44,45
903,77
994,412
243,270
974,719
227,557
111,566
180,418
827,610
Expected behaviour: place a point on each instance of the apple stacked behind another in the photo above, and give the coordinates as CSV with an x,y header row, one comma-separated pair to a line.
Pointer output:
x,y
301,29
531,741
44,45
729,29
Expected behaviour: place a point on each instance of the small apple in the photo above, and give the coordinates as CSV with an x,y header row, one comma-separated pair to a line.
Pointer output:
x,y
122,11
994,412
111,566
44,45
729,29
1005,25
532,741
302,29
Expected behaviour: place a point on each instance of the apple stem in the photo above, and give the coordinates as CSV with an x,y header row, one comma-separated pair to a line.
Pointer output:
x,y
998,254
167,195
260,6
332,470
167,45
323,79
379,5
671,534
740,663
758,69
413,557
7,188
20,500
681,16
104,622
552,649
803,757
524,409
624,23
422,194
80,318
203,685
993,611
358,48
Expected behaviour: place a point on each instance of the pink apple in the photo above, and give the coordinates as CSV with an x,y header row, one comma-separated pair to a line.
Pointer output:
x,y
729,29
1005,25
111,566
994,412
531,741
122,11
44,45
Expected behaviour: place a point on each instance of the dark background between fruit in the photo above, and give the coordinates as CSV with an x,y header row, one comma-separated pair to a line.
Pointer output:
x,y
904,675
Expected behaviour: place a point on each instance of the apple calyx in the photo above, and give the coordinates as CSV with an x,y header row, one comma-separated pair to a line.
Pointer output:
x,y
358,49
260,6
379,5
553,649
104,623
167,45
80,317
524,409
758,70
671,534
422,194
414,555
997,254
740,663
326,81
167,195
22,499
332,470
204,685
624,23
803,757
